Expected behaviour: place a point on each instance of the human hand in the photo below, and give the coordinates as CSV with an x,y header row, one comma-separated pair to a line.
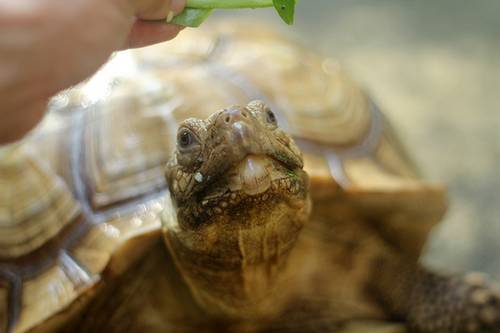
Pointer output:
x,y
49,45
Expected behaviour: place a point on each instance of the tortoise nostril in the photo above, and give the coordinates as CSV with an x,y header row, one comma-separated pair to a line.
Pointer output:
x,y
235,114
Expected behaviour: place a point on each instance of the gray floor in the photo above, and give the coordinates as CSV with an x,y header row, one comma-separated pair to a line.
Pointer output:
x,y
435,68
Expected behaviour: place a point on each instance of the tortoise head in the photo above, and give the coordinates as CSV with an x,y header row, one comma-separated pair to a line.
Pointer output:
x,y
241,196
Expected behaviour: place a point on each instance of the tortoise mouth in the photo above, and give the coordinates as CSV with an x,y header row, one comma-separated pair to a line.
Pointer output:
x,y
254,174
255,178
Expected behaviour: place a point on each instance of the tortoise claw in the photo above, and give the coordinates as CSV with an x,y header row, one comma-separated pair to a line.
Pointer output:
x,y
481,304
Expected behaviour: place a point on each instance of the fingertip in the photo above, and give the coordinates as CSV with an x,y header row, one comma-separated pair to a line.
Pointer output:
x,y
158,9
178,5
145,33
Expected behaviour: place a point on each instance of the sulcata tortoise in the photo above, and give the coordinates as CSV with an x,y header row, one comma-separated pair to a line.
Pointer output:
x,y
246,229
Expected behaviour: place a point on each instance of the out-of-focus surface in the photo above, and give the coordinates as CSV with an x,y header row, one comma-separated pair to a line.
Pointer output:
x,y
434,67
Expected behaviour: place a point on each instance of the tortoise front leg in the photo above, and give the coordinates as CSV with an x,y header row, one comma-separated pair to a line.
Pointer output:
x,y
431,302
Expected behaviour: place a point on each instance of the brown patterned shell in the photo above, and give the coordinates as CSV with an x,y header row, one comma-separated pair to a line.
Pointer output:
x,y
80,197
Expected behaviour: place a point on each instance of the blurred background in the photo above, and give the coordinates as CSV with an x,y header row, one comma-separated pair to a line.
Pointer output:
x,y
434,68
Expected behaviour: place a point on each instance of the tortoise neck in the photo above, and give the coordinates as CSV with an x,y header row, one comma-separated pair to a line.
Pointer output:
x,y
237,277
224,290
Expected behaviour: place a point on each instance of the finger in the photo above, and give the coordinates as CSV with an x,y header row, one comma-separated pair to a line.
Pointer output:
x,y
157,9
146,33
15,124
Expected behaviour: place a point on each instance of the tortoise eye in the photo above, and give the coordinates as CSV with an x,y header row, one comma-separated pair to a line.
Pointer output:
x,y
185,138
271,117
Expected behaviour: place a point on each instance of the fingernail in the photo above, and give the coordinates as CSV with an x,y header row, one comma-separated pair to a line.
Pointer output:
x,y
170,16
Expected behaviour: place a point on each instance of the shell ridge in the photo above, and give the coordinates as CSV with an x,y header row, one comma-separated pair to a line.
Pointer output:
x,y
78,274
366,147
15,290
369,143
76,160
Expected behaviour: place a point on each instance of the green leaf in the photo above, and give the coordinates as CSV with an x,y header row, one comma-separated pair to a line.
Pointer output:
x,y
197,11
228,4
286,9
192,17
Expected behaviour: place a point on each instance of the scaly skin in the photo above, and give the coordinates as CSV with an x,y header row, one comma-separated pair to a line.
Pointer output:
x,y
432,302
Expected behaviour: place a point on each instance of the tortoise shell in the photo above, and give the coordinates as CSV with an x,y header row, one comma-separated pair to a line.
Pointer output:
x,y
81,196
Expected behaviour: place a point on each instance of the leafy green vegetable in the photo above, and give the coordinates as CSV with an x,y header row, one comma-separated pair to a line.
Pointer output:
x,y
293,175
286,9
212,4
197,11
192,17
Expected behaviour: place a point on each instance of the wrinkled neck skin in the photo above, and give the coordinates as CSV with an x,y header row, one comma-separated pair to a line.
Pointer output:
x,y
233,264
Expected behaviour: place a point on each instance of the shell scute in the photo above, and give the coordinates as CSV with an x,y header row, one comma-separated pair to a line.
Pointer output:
x,y
126,146
35,204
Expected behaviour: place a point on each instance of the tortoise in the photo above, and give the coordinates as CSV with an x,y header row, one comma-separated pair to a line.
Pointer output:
x,y
292,208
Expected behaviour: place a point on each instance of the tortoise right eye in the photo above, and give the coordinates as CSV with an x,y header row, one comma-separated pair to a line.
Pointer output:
x,y
185,138
271,117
